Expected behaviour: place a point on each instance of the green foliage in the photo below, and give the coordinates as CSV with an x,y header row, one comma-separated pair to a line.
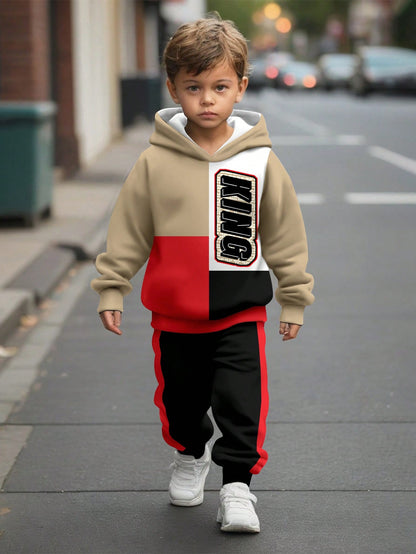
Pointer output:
x,y
239,11
312,15
404,26
309,15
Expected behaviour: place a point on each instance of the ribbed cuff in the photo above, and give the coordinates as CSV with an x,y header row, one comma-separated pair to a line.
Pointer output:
x,y
292,314
110,299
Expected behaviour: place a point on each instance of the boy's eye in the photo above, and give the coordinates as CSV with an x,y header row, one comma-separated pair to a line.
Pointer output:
x,y
221,88
193,88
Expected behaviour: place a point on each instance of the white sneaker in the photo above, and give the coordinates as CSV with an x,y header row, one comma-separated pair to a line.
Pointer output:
x,y
186,486
236,512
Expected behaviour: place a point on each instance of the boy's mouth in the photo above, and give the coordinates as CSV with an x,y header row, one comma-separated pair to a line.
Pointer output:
x,y
207,114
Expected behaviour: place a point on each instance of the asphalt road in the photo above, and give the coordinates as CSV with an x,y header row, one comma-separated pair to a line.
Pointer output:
x,y
342,423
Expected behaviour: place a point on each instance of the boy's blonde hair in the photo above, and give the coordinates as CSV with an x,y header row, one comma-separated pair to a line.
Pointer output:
x,y
203,44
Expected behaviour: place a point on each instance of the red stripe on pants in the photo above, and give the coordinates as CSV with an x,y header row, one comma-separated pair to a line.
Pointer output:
x,y
158,398
264,400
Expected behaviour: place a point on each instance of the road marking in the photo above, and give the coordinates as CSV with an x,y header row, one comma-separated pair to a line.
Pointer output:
x,y
311,198
313,140
305,124
350,140
385,198
408,164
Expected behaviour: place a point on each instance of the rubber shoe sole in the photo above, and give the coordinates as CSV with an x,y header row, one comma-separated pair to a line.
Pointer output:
x,y
188,503
236,526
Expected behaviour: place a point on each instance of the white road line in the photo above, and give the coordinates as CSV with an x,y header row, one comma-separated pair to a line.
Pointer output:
x,y
350,140
313,140
385,198
311,198
305,124
408,164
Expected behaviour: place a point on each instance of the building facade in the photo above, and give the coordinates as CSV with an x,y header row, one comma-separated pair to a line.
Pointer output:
x,y
77,53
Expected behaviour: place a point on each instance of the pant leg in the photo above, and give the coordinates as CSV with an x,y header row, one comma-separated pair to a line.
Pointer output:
x,y
183,396
240,399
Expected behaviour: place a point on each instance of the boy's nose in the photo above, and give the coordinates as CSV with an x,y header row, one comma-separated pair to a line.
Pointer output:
x,y
207,98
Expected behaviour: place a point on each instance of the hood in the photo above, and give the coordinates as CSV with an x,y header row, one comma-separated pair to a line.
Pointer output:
x,y
165,135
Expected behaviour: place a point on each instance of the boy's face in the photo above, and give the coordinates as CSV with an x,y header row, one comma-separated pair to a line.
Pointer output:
x,y
208,99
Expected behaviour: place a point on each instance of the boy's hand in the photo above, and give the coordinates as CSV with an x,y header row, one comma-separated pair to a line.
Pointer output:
x,y
112,320
289,330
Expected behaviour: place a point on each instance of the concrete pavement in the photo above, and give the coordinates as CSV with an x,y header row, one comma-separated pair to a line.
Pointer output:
x,y
35,260
85,469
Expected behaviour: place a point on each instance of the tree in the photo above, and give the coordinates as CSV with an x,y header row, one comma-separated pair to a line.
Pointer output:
x,y
404,25
308,15
239,11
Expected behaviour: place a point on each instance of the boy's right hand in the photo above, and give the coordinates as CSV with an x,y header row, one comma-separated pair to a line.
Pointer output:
x,y
112,320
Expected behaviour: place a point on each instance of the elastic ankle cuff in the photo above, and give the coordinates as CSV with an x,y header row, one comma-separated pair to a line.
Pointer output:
x,y
193,452
236,474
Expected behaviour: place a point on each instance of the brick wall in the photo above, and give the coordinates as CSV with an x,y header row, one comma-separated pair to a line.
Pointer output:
x,y
24,50
66,145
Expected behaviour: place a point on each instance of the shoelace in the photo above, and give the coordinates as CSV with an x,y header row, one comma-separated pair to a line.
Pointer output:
x,y
239,501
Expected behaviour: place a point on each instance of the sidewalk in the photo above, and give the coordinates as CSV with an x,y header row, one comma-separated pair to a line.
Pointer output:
x,y
35,260
83,466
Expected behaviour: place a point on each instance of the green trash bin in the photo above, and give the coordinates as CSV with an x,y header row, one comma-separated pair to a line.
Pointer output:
x,y
26,160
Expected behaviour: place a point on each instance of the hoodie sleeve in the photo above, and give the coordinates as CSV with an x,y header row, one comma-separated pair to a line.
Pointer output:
x,y
129,241
284,244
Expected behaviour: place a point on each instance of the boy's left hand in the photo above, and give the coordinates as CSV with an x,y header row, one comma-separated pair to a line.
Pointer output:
x,y
289,330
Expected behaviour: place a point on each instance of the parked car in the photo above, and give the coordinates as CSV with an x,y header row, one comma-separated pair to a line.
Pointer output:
x,y
297,75
384,68
266,68
279,58
336,70
262,73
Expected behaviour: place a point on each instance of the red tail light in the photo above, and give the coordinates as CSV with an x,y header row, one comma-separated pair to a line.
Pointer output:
x,y
289,80
309,81
272,72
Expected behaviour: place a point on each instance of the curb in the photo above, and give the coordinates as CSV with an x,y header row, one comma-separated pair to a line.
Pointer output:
x,y
17,379
43,274
13,304
39,278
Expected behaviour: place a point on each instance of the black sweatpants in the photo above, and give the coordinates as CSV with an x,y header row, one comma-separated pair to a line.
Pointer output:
x,y
225,370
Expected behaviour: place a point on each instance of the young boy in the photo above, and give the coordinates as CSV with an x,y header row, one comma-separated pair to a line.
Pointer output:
x,y
211,208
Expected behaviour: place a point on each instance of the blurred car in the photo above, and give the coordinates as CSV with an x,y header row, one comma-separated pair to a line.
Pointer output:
x,y
297,75
336,70
265,69
279,58
384,68
262,73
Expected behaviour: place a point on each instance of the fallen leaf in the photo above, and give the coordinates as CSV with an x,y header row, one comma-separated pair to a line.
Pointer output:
x,y
46,304
8,351
61,287
4,511
28,320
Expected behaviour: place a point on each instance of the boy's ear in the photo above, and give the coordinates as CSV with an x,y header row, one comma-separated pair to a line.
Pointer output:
x,y
242,87
172,91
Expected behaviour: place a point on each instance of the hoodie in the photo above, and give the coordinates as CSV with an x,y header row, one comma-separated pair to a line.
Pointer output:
x,y
209,227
